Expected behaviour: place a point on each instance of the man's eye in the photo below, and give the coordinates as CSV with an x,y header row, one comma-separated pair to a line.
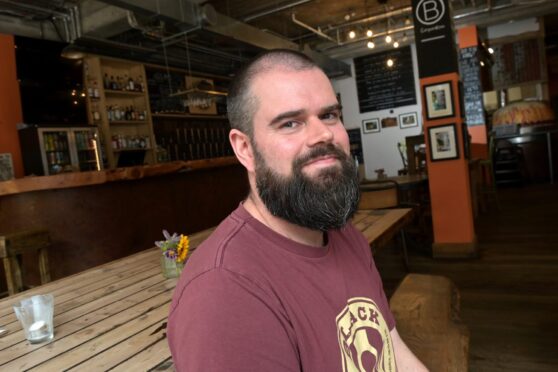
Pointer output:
x,y
291,124
330,116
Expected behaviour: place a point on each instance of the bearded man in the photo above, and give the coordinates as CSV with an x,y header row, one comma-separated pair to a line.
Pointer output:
x,y
286,283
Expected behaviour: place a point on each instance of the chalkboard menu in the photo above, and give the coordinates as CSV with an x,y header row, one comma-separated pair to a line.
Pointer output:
x,y
469,70
161,84
381,87
516,63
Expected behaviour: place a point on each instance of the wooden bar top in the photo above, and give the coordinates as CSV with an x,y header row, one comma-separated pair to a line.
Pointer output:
x,y
78,179
114,316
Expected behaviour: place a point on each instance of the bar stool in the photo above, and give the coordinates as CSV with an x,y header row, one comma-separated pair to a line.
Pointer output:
x,y
13,246
487,180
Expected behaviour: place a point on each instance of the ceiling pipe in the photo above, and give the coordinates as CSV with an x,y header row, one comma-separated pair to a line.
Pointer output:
x,y
378,17
274,10
316,31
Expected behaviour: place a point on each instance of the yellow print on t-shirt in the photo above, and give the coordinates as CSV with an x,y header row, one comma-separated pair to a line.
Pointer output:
x,y
364,338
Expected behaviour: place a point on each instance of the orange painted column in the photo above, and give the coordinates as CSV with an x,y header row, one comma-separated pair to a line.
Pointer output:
x,y
450,190
468,37
10,103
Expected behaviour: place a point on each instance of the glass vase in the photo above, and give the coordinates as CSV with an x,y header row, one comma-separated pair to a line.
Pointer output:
x,y
170,268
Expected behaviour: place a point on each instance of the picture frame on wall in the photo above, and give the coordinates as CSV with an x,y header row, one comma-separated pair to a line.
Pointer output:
x,y
439,100
371,125
408,120
442,140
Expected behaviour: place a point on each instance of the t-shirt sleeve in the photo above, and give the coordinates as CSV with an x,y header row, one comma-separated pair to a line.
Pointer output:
x,y
223,322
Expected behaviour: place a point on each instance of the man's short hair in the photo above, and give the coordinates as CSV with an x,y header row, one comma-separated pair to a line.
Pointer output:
x,y
241,103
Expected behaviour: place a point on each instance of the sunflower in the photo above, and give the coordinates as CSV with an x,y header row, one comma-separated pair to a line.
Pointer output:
x,y
183,247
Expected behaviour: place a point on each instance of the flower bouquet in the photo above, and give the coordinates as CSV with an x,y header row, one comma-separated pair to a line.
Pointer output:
x,y
174,253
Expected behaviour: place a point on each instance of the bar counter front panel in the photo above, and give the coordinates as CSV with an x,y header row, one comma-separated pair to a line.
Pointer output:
x,y
94,224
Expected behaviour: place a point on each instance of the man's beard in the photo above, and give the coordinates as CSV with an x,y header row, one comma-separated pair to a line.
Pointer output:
x,y
323,202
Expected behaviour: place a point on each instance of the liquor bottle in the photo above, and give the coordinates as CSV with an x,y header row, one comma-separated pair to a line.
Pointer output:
x,y
95,90
113,85
106,81
131,84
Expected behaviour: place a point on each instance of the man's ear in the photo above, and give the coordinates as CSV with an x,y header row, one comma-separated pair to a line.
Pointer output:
x,y
242,148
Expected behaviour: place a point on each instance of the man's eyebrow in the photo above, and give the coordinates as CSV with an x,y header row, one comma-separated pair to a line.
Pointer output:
x,y
334,107
296,113
286,115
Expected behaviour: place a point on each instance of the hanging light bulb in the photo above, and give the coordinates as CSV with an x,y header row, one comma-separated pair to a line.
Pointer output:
x,y
352,34
389,62
370,45
369,33
396,44
388,39
490,50
482,63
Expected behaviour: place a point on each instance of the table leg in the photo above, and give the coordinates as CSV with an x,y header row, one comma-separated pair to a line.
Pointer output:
x,y
549,147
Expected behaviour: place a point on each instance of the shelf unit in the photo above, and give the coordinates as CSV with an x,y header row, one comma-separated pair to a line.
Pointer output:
x,y
119,135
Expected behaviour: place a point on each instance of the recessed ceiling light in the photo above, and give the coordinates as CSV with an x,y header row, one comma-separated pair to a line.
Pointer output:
x,y
352,34
388,39
390,62
490,50
369,33
370,45
396,44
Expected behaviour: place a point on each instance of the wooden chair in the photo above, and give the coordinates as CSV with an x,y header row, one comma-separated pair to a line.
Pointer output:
x,y
382,194
13,246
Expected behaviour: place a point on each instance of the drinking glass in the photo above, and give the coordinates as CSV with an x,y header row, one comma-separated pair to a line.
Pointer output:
x,y
35,314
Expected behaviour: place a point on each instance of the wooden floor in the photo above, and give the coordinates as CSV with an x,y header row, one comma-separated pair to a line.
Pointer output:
x,y
509,295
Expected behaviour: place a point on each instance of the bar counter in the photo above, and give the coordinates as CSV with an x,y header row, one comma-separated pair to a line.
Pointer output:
x,y
97,217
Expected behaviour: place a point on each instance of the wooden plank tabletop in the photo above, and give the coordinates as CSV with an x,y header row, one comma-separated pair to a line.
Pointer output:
x,y
380,225
113,316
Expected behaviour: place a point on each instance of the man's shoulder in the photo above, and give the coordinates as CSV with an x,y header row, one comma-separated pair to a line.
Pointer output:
x,y
211,253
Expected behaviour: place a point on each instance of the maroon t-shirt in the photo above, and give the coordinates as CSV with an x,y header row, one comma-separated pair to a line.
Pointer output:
x,y
250,299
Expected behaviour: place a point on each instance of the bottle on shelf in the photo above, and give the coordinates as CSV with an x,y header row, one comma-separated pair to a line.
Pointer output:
x,y
95,90
106,81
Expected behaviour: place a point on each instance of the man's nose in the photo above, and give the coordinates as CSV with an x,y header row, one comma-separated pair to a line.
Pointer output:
x,y
318,132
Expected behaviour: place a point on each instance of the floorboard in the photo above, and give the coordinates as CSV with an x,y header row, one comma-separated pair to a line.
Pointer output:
x,y
509,294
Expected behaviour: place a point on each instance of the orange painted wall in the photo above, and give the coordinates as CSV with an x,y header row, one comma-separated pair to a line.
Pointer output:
x,y
10,103
450,190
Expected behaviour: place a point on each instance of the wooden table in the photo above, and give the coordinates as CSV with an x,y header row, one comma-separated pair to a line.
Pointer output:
x,y
114,316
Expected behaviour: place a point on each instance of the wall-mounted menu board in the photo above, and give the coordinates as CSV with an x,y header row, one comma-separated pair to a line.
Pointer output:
x,y
161,84
469,70
382,87
517,62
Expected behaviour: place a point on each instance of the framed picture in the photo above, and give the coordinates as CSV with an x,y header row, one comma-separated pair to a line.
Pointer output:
x,y
408,120
371,125
442,140
389,122
439,100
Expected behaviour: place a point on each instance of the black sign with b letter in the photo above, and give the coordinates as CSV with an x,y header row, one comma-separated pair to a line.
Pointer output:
x,y
435,37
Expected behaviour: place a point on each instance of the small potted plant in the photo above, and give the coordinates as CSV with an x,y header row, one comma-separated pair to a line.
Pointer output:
x,y
175,250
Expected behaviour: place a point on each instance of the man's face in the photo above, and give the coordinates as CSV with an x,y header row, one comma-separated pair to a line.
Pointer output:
x,y
303,169
297,111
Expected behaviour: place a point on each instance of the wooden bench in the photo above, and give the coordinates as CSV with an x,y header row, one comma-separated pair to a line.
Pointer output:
x,y
426,310
13,246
